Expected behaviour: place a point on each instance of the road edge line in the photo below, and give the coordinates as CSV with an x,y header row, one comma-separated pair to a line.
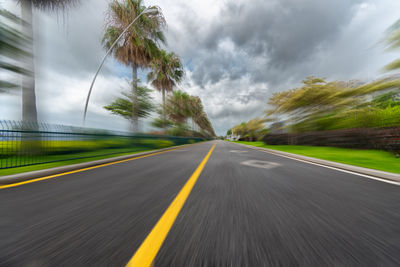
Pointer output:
x,y
386,177
146,253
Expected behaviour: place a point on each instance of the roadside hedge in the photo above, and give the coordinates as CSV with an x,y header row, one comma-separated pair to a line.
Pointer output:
x,y
361,138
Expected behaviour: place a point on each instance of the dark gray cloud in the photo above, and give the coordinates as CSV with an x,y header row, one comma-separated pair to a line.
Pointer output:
x,y
283,33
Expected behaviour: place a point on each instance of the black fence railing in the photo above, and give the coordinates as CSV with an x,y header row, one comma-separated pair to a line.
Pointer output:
x,y
23,144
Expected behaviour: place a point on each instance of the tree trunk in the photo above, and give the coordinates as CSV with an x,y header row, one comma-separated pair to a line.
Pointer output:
x,y
135,102
163,111
29,112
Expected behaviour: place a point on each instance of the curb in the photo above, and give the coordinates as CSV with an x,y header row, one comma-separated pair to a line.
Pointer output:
x,y
360,170
19,177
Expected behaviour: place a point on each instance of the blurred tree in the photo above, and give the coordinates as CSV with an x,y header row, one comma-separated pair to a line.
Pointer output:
x,y
12,42
316,96
181,106
29,110
205,125
161,123
123,106
139,47
178,107
251,130
393,43
198,114
179,129
166,72
389,99
320,105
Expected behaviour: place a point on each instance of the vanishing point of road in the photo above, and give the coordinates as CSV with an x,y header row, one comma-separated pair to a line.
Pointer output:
x,y
210,204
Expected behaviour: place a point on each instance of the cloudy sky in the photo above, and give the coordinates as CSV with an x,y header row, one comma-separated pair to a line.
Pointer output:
x,y
236,54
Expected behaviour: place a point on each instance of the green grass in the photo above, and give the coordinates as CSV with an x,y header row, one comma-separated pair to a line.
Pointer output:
x,y
78,146
373,159
66,152
91,154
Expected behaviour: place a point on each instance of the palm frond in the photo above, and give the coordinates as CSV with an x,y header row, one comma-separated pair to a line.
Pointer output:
x,y
140,43
53,4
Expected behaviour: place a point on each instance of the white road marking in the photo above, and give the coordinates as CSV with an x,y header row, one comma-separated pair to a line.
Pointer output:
x,y
260,164
238,151
329,167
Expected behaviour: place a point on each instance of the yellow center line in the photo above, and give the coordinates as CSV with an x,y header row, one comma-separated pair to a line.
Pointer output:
x,y
81,170
148,250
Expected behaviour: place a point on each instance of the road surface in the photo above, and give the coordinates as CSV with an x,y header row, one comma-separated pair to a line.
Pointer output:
x,y
247,208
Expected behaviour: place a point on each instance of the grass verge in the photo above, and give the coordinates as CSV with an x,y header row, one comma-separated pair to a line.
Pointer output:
x,y
373,159
68,162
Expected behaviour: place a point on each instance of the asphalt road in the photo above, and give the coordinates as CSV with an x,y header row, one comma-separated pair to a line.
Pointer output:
x,y
248,208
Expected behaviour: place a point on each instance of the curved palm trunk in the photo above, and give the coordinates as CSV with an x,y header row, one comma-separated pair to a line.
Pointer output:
x,y
135,104
29,112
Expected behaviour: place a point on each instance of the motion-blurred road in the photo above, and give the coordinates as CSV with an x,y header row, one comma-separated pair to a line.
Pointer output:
x,y
248,208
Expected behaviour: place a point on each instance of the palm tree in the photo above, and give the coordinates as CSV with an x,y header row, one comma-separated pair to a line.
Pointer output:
x,y
199,116
29,110
178,107
139,46
196,110
166,72
205,124
123,106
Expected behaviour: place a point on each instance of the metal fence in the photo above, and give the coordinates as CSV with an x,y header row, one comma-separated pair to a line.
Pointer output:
x,y
24,143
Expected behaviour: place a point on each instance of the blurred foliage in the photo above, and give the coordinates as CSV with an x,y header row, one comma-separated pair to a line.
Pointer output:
x,y
179,129
53,4
123,106
320,105
249,131
393,66
161,143
12,47
160,123
390,99
179,108
62,147
393,43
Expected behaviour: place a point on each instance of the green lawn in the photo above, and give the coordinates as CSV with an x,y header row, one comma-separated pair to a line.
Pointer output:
x,y
373,159
91,156
65,152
